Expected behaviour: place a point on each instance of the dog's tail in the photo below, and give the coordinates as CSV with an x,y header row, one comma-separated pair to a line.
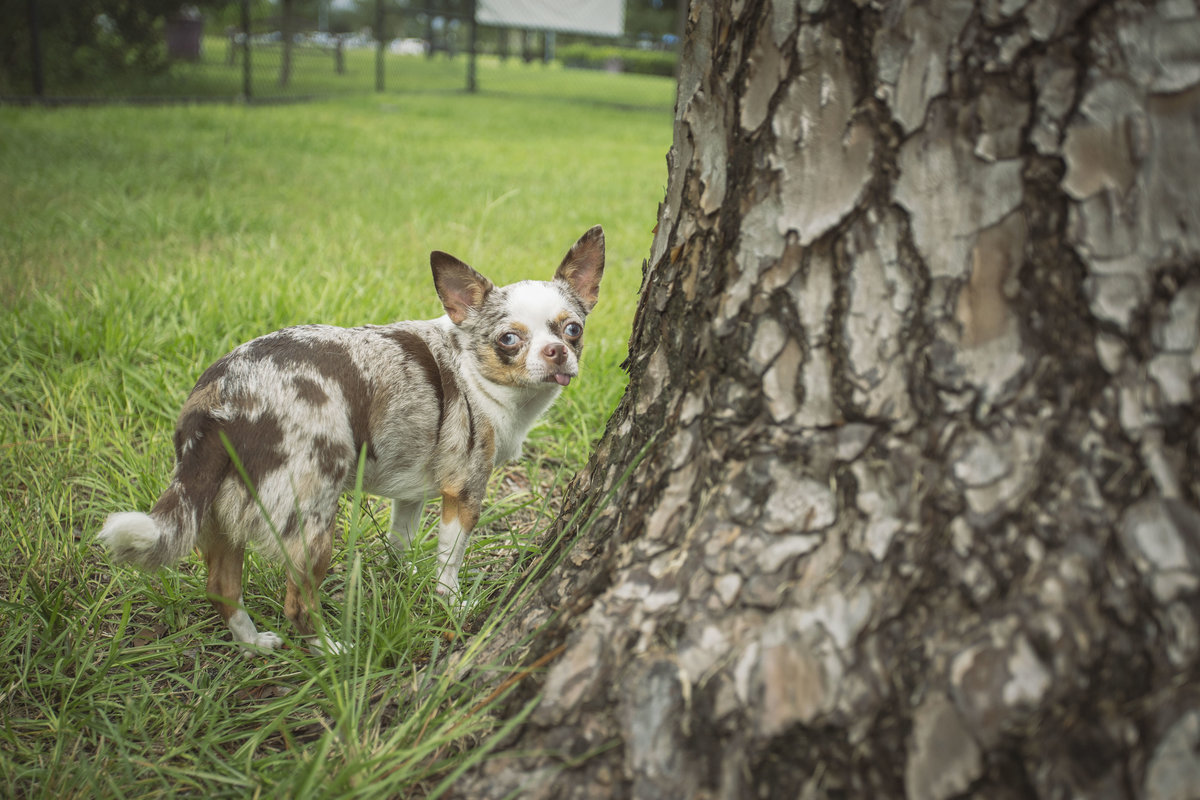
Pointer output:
x,y
170,530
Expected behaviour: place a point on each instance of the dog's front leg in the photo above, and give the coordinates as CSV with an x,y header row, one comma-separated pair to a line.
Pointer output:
x,y
459,515
406,523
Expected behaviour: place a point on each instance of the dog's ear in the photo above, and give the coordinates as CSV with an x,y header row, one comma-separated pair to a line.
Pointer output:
x,y
583,267
460,288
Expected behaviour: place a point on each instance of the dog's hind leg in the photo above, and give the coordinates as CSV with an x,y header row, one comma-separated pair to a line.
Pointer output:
x,y
305,572
225,559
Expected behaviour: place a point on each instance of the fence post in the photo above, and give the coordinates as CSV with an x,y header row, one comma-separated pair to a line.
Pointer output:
x,y
35,49
430,34
379,45
287,18
472,46
246,50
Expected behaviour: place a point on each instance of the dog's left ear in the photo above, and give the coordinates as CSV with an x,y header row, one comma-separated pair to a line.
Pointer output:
x,y
583,267
460,288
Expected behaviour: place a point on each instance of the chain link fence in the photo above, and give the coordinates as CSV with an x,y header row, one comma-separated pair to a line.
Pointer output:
x,y
91,51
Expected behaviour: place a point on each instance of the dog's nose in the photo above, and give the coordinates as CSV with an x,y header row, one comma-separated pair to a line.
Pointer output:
x,y
555,352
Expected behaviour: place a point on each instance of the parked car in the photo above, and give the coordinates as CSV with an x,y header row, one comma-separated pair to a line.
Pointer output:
x,y
409,47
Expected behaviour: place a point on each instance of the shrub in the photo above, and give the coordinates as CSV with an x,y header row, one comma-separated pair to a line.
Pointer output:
x,y
85,39
646,62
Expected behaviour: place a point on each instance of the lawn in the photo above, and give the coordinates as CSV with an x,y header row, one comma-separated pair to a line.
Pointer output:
x,y
313,75
137,245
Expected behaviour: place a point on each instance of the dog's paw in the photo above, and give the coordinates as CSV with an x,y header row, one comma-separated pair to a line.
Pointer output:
x,y
268,640
456,598
331,646
263,641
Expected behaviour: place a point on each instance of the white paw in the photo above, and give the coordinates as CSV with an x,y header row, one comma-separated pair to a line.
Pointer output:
x,y
330,646
455,598
268,640
262,641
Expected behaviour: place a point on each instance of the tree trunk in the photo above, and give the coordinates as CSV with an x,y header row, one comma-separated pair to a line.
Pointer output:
x,y
910,437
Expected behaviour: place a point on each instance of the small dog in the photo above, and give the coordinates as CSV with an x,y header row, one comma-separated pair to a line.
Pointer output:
x,y
435,404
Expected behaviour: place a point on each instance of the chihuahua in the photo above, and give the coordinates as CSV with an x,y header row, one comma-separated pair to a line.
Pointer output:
x,y
430,406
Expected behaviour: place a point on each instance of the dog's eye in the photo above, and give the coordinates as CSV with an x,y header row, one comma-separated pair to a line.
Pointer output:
x,y
573,329
509,339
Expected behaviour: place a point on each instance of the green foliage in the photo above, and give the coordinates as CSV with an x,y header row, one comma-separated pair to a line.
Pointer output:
x,y
93,38
624,59
137,245
655,18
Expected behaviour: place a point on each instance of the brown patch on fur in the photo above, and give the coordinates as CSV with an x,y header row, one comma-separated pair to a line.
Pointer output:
x,y
470,426
514,327
443,382
244,404
332,360
506,367
198,408
332,457
291,526
168,505
489,444
452,486
258,445
358,395
559,324
189,429
483,436
418,350
212,375
204,397
309,391
200,470
460,506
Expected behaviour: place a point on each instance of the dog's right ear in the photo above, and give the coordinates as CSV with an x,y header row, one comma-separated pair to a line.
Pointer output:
x,y
583,267
460,288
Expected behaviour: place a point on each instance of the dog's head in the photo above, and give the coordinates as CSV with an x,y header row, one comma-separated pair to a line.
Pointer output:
x,y
528,333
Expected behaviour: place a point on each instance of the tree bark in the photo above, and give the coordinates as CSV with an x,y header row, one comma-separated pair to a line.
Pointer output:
x,y
901,498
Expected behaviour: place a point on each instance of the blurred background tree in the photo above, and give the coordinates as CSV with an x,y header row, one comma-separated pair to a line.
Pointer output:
x,y
87,37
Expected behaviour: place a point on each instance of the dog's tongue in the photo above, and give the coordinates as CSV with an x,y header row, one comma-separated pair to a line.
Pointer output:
x,y
562,379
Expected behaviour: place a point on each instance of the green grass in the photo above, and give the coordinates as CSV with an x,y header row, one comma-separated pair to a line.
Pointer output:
x,y
137,245
313,75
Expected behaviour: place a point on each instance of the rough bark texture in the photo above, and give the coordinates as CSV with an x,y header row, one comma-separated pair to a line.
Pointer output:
x,y
913,381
